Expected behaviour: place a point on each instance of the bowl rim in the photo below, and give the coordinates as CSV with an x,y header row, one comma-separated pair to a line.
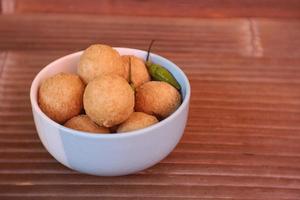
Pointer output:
x,y
36,107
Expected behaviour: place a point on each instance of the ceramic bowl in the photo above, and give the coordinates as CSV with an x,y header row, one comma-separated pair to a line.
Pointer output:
x,y
110,154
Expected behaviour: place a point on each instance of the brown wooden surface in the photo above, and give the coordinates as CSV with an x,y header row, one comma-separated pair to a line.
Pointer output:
x,y
162,8
242,140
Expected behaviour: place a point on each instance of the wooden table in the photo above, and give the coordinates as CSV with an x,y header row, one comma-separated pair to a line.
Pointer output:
x,y
242,140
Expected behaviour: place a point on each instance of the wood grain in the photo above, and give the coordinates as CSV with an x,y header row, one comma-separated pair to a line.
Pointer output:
x,y
166,8
243,133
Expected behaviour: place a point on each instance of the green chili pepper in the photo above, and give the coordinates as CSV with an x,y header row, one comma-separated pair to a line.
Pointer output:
x,y
159,73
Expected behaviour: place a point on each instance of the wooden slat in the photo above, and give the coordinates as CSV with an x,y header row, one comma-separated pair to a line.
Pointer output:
x,y
149,191
164,169
213,35
190,38
146,180
166,8
112,198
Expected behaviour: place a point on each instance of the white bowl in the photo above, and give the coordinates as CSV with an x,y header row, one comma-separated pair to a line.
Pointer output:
x,y
113,154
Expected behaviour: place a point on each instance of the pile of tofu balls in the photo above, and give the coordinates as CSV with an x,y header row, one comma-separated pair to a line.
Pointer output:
x,y
110,93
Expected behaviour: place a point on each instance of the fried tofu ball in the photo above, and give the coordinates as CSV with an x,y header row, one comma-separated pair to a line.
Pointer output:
x,y
108,100
99,59
60,96
137,120
157,98
136,70
84,123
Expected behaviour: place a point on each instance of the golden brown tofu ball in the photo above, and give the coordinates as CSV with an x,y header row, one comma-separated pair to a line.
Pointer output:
x,y
139,73
157,98
99,59
60,96
137,120
84,123
108,100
